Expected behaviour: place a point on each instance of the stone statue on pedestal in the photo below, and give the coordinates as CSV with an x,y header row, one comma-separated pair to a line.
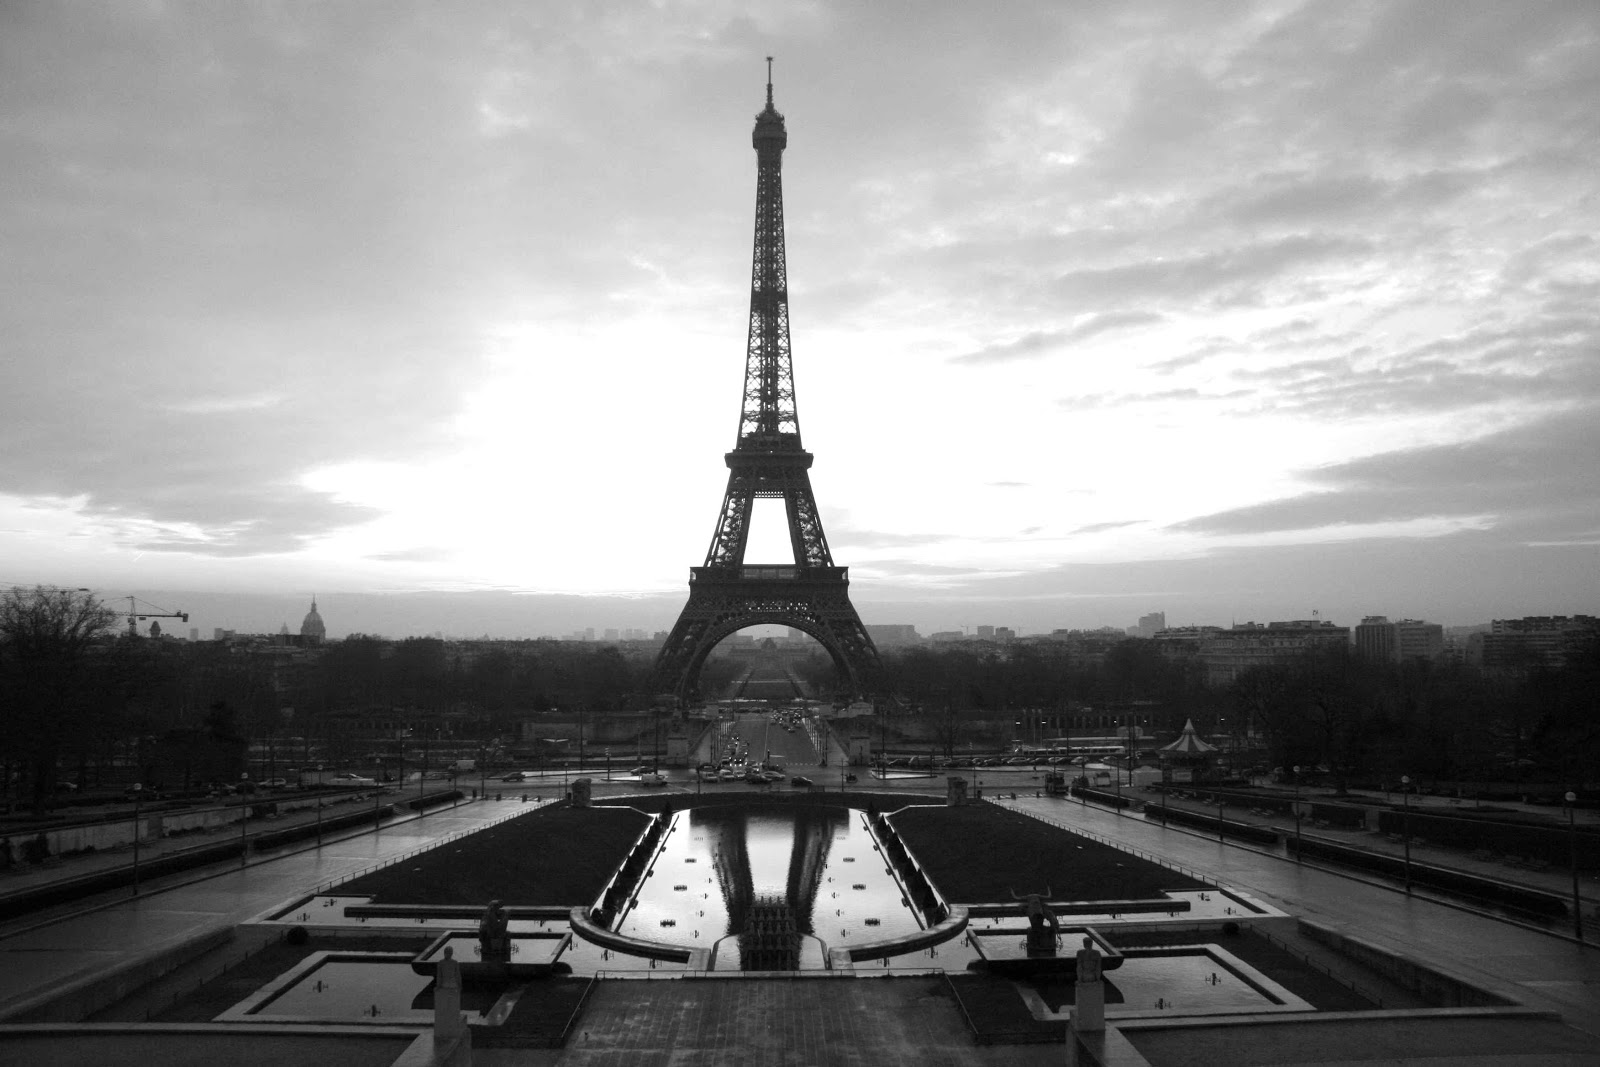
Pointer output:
x,y
1042,924
494,939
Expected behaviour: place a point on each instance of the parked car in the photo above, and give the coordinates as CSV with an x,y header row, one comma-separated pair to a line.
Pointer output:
x,y
801,780
351,780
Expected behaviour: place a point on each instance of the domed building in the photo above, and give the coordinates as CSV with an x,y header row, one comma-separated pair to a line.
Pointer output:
x,y
312,630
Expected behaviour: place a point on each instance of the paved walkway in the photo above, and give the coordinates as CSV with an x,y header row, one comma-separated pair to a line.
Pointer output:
x,y
1532,968
62,952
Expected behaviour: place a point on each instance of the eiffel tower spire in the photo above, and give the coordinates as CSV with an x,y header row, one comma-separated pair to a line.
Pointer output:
x,y
768,460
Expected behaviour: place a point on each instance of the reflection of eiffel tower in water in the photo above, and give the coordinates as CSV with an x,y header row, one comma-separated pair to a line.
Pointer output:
x,y
770,940
770,926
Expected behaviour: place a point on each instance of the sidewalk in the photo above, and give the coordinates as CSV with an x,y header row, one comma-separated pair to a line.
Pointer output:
x,y
1529,967
20,878
49,957
1554,879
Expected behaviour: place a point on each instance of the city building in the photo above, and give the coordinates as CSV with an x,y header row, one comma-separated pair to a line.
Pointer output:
x,y
1149,625
888,635
1382,641
1532,642
312,630
1226,654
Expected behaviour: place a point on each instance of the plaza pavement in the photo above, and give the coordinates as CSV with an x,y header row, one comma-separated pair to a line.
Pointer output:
x,y
53,956
1534,969
1531,968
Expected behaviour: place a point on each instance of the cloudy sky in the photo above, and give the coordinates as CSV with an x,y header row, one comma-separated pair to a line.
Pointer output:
x,y
1232,310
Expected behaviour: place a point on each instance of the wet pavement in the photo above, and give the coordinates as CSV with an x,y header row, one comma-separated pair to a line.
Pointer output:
x,y
62,952
1532,968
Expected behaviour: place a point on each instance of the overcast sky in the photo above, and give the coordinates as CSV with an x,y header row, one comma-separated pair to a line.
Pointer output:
x,y
1232,310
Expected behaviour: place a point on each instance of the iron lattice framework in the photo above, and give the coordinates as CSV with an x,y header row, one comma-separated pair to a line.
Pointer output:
x,y
768,460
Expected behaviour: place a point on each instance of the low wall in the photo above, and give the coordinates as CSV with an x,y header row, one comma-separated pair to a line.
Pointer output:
x,y
75,1000
67,890
1439,989
953,926
698,959
1228,827
1549,843
1100,796
154,822
1455,883
918,886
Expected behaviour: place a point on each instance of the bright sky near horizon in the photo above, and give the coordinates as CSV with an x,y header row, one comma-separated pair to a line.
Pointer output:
x,y
1223,309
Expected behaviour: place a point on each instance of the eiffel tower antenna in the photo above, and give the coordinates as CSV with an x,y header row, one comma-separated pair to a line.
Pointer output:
x,y
767,460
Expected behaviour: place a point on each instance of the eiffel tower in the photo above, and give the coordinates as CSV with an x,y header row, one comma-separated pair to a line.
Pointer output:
x,y
726,595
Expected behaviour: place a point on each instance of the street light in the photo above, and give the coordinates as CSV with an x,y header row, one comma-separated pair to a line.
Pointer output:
x,y
1298,855
1405,824
244,819
1572,861
138,795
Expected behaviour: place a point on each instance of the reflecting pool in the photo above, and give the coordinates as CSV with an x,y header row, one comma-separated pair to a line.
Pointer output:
x,y
771,888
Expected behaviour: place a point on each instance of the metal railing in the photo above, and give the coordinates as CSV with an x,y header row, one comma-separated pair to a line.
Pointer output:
x,y
1121,846
322,887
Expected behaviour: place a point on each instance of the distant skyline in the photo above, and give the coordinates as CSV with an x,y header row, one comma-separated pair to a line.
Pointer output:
x,y
1228,311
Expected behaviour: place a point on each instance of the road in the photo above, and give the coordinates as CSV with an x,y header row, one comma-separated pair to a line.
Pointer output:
x,y
770,742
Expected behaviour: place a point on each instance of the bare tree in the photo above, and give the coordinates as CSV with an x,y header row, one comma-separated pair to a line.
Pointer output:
x,y
46,638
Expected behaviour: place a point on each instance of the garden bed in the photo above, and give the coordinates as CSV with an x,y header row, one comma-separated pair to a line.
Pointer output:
x,y
556,855
979,853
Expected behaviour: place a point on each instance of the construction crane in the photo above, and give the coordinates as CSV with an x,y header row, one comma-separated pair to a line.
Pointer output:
x,y
135,616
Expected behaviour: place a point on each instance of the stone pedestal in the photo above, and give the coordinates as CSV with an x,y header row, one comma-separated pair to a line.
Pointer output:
x,y
955,792
1089,1004
677,746
452,1039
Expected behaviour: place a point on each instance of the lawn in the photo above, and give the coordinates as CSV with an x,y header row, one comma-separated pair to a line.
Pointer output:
x,y
552,856
979,854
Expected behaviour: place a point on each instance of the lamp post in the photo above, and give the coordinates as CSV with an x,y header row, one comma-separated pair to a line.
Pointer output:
x,y
244,819
319,805
138,795
1572,861
1405,824
1297,852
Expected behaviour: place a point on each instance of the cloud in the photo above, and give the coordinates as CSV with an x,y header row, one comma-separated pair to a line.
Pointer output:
x,y
1036,344
1540,476
1105,527
433,554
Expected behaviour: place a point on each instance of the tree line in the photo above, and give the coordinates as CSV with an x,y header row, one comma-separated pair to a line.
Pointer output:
x,y
77,697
